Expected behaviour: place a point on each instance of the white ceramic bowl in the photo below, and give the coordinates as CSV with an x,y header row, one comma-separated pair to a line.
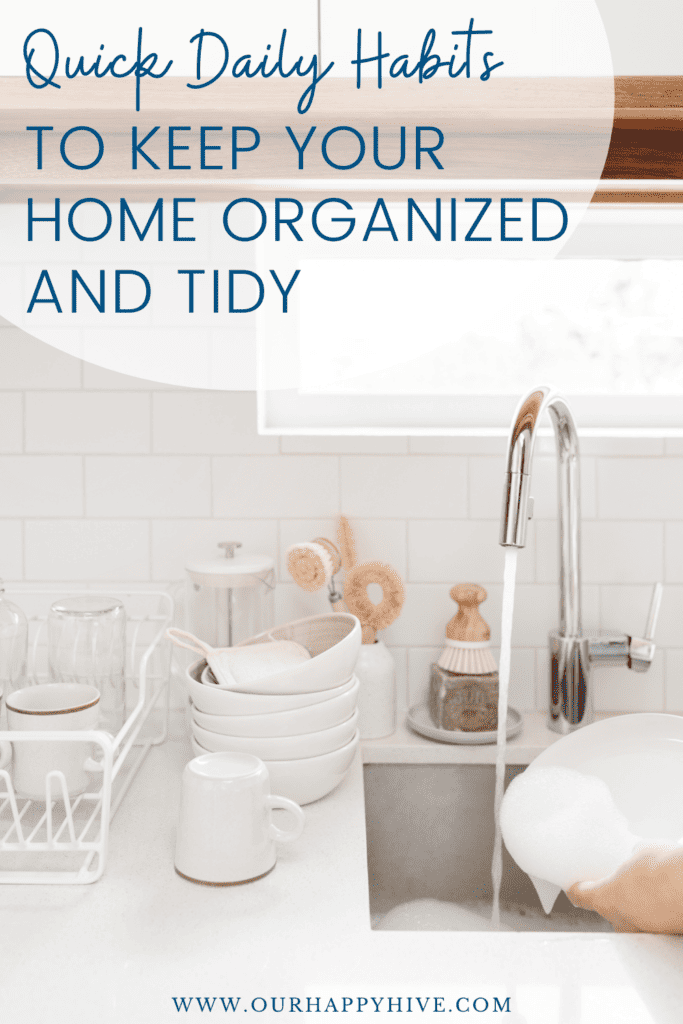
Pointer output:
x,y
281,748
284,723
333,641
216,700
307,779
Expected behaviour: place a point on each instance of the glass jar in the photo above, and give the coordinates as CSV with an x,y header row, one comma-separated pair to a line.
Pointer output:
x,y
463,702
231,598
13,645
86,637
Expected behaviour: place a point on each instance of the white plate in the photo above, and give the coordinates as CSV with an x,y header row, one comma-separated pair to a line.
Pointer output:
x,y
640,757
284,723
216,700
281,748
306,779
420,720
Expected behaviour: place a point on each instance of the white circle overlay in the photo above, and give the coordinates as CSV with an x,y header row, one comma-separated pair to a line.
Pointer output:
x,y
524,145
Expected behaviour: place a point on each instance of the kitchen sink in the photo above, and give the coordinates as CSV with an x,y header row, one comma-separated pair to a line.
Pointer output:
x,y
430,842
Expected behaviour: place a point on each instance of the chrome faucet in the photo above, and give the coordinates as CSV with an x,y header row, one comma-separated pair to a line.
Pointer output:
x,y
573,654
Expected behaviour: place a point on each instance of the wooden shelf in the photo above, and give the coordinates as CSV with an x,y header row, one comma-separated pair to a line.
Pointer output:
x,y
510,124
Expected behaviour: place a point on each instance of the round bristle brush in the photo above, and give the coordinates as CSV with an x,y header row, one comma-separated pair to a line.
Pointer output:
x,y
312,564
373,616
468,637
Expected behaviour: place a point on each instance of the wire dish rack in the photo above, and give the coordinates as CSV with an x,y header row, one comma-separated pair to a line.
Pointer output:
x,y
65,839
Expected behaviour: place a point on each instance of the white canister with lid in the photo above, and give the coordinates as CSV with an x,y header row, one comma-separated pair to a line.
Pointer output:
x,y
231,597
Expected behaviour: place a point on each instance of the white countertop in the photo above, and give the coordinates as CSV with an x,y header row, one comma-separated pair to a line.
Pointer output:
x,y
407,747
119,950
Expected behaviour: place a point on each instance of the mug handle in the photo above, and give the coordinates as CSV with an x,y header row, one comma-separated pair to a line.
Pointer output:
x,y
5,754
282,803
91,765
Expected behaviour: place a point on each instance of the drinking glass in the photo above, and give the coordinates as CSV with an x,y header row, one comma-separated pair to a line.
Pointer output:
x,y
87,644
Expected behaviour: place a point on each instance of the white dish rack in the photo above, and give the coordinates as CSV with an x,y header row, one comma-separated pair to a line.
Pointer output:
x,y
63,840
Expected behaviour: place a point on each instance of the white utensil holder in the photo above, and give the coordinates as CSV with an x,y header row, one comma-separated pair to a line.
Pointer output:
x,y
377,695
64,840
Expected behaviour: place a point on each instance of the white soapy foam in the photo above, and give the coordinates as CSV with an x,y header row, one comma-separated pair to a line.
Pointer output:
x,y
563,827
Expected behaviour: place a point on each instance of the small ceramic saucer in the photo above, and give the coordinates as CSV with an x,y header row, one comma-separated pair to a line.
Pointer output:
x,y
420,721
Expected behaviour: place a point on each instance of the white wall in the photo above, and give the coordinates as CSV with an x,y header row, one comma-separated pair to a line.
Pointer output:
x,y
108,478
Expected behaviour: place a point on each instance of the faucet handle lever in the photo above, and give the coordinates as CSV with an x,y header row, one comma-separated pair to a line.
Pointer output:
x,y
641,651
653,614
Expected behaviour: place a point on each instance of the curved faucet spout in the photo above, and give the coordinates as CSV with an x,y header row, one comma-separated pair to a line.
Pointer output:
x,y
516,506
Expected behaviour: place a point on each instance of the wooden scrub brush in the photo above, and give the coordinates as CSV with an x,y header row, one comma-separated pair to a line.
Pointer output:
x,y
373,616
312,564
468,637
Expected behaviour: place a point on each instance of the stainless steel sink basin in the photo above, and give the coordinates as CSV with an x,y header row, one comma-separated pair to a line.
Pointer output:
x,y
430,837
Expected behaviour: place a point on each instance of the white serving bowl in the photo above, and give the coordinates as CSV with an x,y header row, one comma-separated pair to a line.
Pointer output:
x,y
280,748
284,723
306,779
333,641
216,700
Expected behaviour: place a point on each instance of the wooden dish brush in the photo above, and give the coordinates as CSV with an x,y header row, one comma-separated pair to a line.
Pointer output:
x,y
373,616
468,637
312,564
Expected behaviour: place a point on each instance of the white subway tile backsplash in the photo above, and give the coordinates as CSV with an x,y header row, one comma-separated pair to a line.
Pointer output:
x,y
426,612
162,474
176,541
620,689
377,540
11,549
459,550
486,477
291,602
631,447
673,681
625,608
345,445
208,422
415,486
174,487
99,378
537,612
87,422
623,552
87,549
458,446
272,487
673,552
26,363
41,485
11,422
612,552
640,488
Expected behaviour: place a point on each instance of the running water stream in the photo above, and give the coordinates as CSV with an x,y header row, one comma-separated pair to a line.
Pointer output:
x,y
509,575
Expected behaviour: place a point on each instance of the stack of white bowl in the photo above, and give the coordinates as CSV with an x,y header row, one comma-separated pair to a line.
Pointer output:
x,y
303,722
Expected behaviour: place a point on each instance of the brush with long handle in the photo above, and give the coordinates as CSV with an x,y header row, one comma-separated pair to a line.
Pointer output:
x,y
373,616
312,564
347,545
468,637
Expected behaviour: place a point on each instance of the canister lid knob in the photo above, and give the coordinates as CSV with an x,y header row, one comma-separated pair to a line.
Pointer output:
x,y
230,547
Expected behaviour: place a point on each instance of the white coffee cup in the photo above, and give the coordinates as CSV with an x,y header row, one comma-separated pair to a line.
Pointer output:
x,y
50,707
225,832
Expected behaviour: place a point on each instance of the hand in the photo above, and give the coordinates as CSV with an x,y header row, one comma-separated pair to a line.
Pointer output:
x,y
644,895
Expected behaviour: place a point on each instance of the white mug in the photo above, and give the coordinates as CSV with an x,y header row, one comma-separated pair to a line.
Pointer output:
x,y
50,707
225,832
